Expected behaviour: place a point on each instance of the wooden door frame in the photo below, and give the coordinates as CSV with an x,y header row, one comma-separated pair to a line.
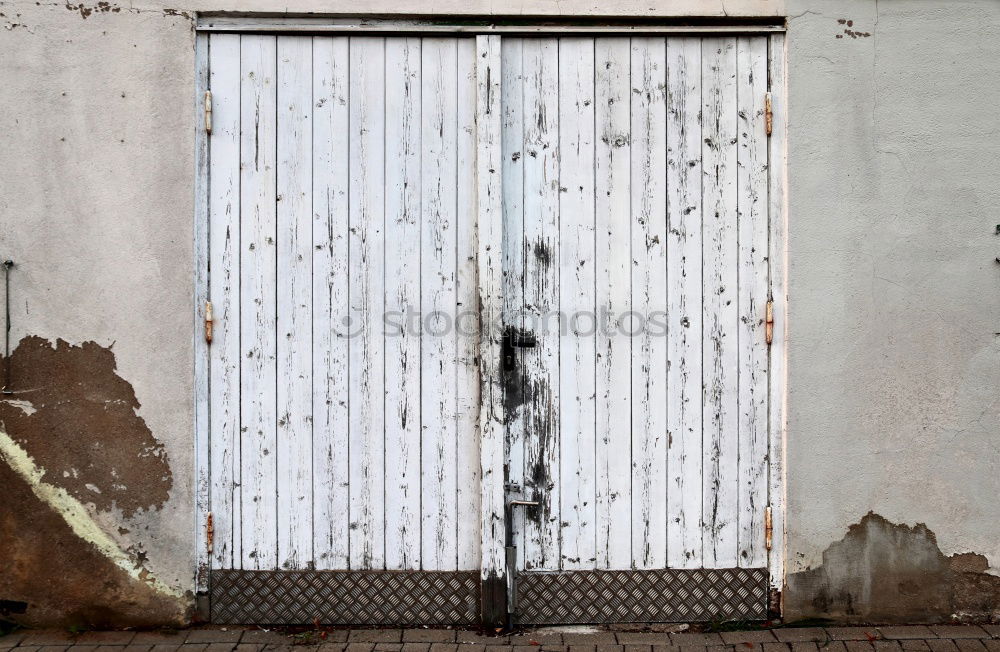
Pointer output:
x,y
488,32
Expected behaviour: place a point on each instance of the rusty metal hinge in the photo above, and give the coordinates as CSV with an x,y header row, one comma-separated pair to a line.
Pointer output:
x,y
208,112
768,528
769,322
209,532
208,322
768,114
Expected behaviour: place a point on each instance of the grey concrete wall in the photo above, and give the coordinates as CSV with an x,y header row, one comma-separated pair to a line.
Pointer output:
x,y
894,361
894,299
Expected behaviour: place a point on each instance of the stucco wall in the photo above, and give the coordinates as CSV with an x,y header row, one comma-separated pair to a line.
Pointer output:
x,y
894,361
894,358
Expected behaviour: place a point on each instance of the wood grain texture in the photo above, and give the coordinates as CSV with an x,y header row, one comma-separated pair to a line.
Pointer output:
x,y
467,326
224,263
612,191
489,214
512,157
366,292
437,301
752,225
331,188
649,300
258,297
355,181
403,219
778,270
294,302
720,314
684,299
577,352
540,99
202,353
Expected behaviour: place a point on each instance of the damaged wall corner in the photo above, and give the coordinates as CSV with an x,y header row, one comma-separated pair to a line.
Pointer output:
x,y
72,445
884,572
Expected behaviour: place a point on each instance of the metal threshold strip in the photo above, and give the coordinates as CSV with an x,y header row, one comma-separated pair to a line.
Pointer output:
x,y
471,26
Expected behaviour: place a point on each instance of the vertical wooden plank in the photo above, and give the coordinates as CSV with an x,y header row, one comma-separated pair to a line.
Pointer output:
x,y
258,300
366,292
294,343
577,342
489,214
467,310
752,208
437,301
202,352
540,70
402,297
778,270
720,312
684,216
224,262
330,307
649,300
514,379
614,300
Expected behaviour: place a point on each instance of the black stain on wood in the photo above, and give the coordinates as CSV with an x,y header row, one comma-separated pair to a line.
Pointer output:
x,y
542,253
494,606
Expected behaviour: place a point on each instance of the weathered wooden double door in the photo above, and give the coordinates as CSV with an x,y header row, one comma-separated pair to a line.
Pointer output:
x,y
402,226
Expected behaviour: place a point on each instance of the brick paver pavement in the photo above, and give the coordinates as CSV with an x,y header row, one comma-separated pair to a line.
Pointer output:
x,y
895,638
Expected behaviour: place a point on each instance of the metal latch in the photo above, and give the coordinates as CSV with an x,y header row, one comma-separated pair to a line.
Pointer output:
x,y
510,551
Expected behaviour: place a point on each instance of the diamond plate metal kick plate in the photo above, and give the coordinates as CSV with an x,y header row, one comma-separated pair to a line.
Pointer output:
x,y
641,596
345,597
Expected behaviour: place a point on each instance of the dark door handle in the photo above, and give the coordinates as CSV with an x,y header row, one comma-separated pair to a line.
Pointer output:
x,y
522,340
514,339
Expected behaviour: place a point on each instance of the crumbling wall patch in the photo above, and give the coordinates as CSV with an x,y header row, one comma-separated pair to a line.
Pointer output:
x,y
888,572
72,444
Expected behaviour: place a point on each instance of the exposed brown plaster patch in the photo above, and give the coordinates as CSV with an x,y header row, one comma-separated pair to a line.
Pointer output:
x,y
78,419
64,580
887,572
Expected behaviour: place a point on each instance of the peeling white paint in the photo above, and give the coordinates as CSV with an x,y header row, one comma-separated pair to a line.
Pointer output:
x,y
24,406
75,514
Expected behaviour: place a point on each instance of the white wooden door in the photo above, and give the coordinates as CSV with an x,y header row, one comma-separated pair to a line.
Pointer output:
x,y
343,434
373,201
636,283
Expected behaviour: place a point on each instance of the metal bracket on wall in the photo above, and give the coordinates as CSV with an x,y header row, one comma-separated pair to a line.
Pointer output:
x,y
7,264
